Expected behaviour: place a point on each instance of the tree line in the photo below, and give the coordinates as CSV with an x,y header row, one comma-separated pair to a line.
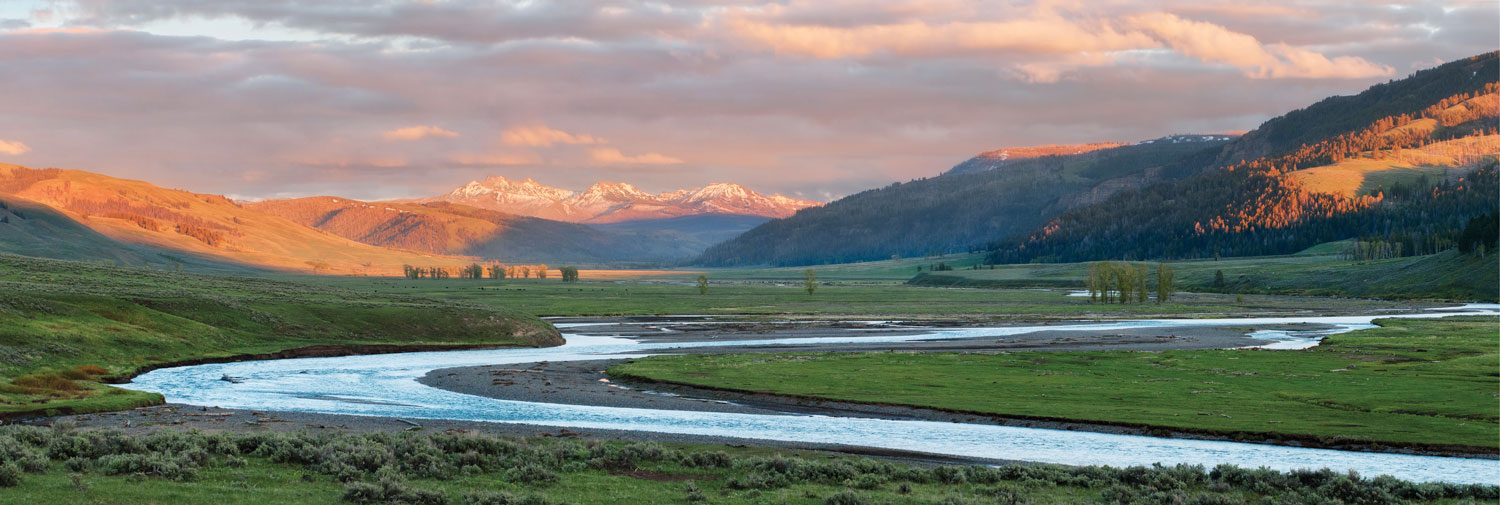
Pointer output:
x,y
494,271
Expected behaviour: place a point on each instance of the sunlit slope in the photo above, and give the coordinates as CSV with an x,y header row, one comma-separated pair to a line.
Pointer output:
x,y
32,229
210,226
1369,173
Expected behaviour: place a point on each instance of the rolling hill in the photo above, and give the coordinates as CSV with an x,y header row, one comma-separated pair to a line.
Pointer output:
x,y
89,216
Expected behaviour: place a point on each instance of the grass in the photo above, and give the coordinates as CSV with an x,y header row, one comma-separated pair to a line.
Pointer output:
x,y
788,299
1320,272
64,325
1411,382
40,465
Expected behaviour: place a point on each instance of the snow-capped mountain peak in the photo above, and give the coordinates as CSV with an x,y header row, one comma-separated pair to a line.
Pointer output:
x,y
607,201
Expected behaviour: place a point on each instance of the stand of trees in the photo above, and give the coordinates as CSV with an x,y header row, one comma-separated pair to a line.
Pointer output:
x,y
476,271
1122,282
569,273
1481,235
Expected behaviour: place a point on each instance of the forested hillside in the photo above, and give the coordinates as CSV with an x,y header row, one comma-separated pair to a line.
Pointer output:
x,y
1402,162
1410,182
962,208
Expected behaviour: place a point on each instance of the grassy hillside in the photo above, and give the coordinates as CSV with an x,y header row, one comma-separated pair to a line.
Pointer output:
x,y
1322,272
206,226
64,325
1408,162
1416,383
1339,115
32,229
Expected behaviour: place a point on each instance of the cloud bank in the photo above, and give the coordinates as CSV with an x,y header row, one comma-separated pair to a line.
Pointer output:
x,y
403,98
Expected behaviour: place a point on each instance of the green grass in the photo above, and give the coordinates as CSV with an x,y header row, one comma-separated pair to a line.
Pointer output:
x,y
1316,272
39,465
1411,382
58,315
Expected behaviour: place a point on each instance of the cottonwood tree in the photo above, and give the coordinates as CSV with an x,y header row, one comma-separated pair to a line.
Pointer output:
x,y
703,284
810,281
1164,279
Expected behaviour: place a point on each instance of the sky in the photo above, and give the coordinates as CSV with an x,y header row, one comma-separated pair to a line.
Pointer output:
x,y
377,99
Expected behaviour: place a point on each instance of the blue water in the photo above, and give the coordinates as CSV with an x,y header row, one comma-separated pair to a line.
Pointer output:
x,y
386,385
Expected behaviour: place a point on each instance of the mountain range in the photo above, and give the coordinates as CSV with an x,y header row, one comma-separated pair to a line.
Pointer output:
x,y
75,214
1404,165
613,202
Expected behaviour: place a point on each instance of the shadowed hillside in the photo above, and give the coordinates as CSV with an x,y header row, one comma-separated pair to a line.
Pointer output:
x,y
972,204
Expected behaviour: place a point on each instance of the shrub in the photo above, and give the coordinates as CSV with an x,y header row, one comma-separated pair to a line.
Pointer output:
x,y
847,497
10,474
531,473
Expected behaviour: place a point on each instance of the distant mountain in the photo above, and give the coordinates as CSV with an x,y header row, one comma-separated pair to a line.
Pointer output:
x,y
998,158
695,233
1402,167
610,202
448,228
994,194
83,215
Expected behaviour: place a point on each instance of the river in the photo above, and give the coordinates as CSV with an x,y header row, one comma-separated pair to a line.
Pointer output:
x,y
386,385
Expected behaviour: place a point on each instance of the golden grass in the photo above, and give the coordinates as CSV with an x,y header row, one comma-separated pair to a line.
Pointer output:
x,y
1350,177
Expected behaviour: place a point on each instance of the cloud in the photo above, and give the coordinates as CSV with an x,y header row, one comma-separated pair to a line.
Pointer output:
x,y
1212,43
418,133
494,159
14,147
1077,41
1042,35
542,136
808,94
610,155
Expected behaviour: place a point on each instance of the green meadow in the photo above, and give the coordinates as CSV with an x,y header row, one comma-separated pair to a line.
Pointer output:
x,y
66,325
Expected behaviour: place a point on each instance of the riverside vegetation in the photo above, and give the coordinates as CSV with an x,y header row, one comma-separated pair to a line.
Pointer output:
x,y
55,465
65,326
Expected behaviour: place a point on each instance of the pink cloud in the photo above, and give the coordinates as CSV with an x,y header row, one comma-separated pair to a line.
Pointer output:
x,y
14,147
494,159
542,136
1213,43
610,155
418,133
1039,35
1055,42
